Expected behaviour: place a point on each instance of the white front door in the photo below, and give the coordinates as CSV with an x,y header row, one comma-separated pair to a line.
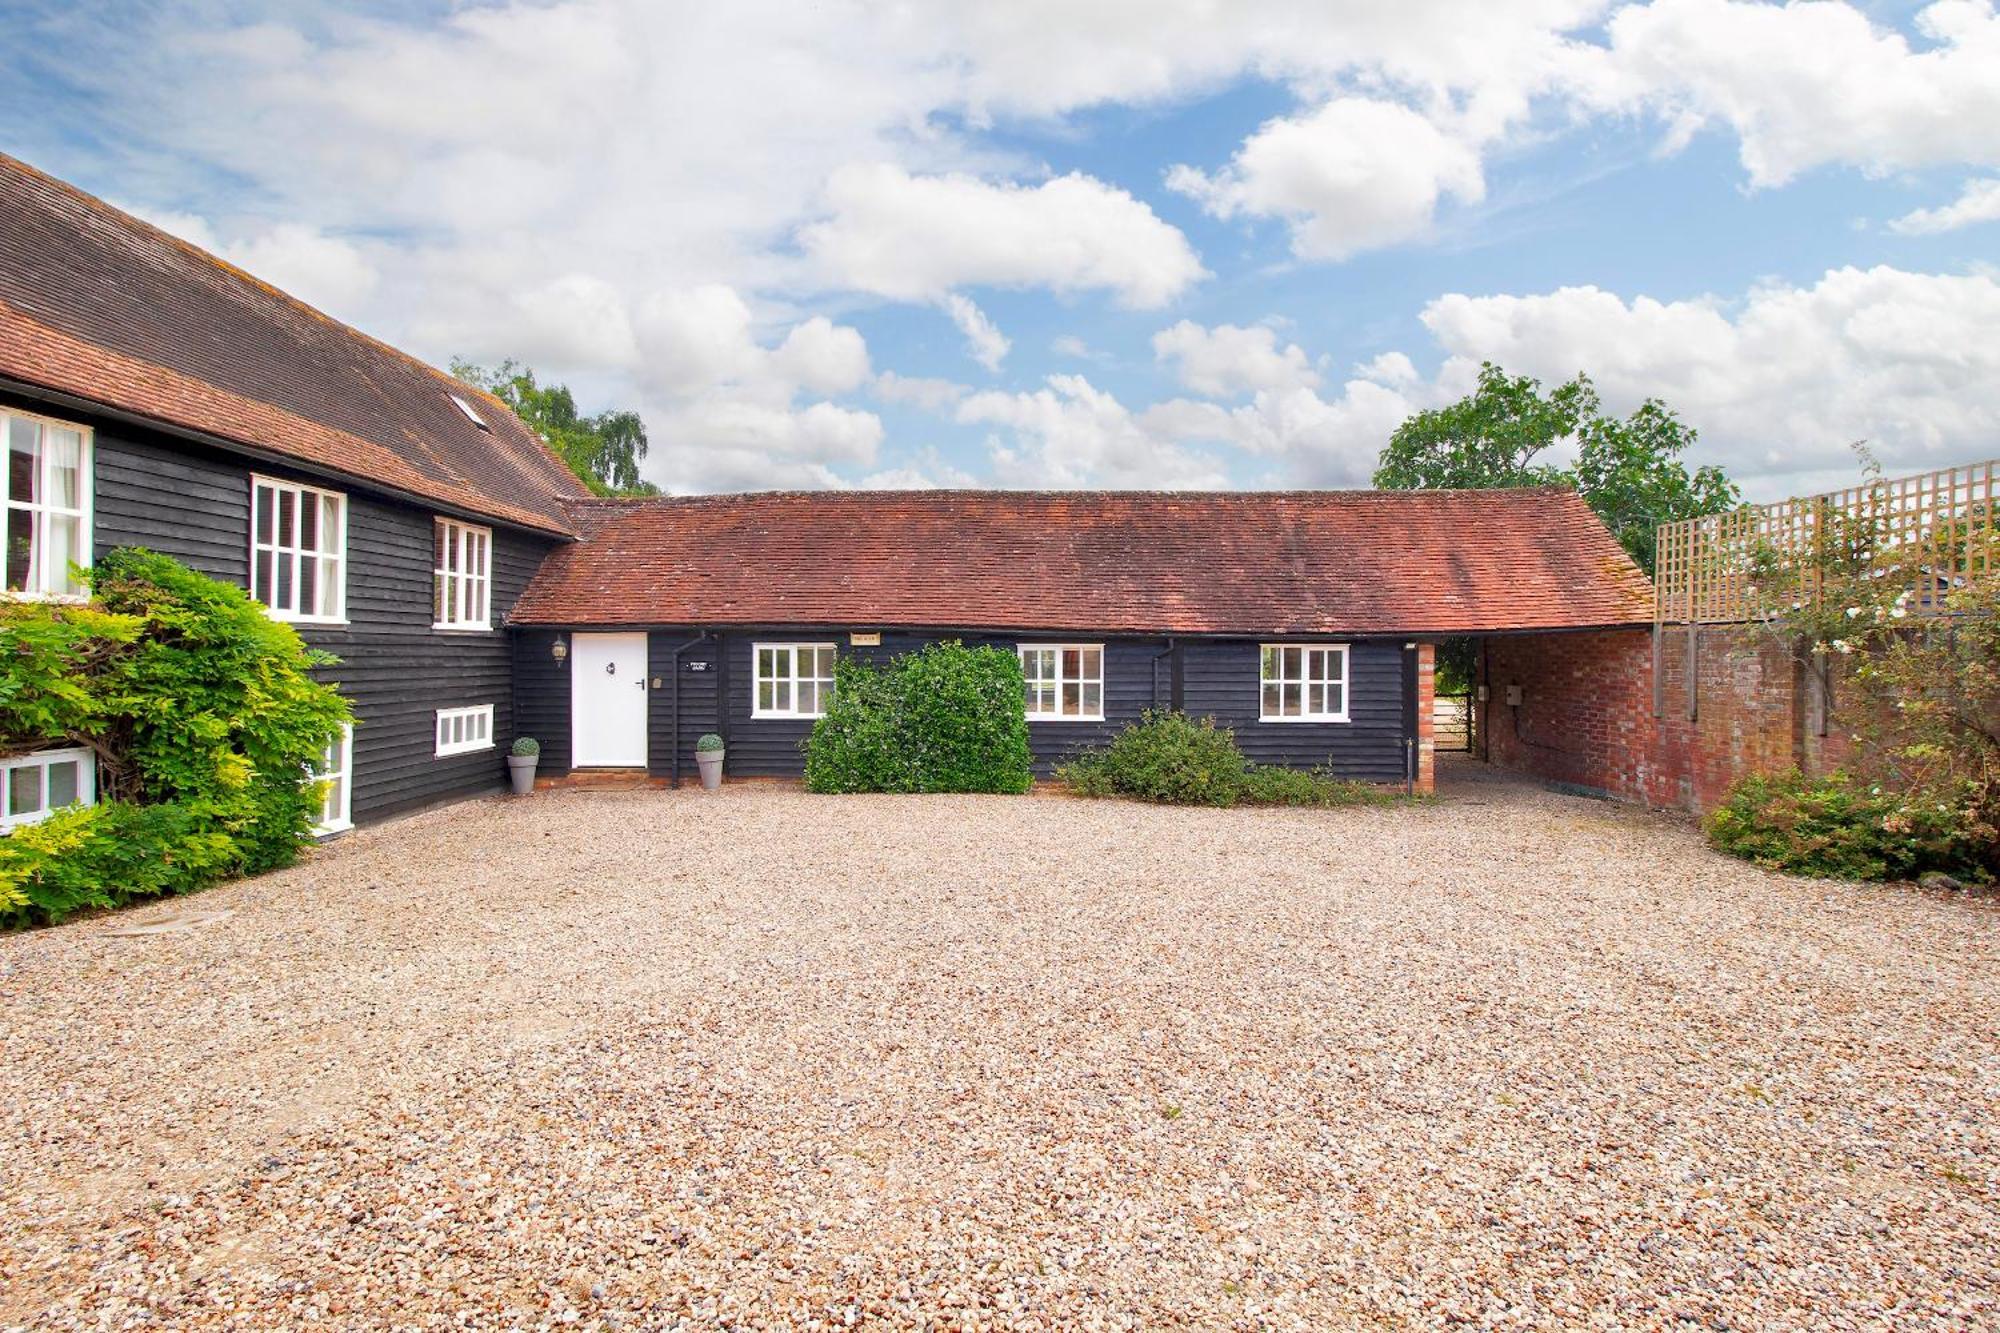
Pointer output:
x,y
607,700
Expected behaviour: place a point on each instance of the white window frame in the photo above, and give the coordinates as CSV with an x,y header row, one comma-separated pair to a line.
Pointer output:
x,y
462,577
1061,680
471,738
1303,681
789,678
86,784
331,560
36,513
336,809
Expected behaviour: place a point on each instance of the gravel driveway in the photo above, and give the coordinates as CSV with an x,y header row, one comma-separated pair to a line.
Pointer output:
x,y
763,1059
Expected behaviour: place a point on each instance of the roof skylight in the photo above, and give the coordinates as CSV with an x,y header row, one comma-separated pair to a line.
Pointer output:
x,y
470,414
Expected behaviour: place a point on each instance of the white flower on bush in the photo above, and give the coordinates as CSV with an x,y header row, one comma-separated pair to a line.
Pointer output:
x,y
1842,646
1853,611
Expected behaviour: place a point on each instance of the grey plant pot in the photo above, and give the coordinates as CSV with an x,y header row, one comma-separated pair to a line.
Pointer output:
x,y
710,764
521,772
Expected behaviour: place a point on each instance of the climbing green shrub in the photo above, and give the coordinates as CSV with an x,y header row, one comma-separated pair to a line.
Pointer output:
x,y
946,719
204,717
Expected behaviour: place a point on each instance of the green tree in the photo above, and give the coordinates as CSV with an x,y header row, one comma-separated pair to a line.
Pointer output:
x,y
603,450
1629,471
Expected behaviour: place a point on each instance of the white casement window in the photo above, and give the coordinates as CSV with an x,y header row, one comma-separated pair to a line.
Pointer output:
x,y
1064,681
463,582
35,786
45,520
1304,682
336,770
793,679
298,551
463,730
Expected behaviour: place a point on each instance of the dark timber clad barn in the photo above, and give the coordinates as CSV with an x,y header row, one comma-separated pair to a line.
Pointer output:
x,y
152,395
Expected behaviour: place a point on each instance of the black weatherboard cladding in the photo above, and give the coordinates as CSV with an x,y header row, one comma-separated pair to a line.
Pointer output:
x,y
193,503
1216,678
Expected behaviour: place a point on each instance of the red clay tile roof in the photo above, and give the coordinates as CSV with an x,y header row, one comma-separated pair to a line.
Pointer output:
x,y
97,304
1307,562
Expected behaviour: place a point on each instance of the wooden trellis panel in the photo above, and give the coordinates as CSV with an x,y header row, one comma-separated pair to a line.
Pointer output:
x,y
1703,572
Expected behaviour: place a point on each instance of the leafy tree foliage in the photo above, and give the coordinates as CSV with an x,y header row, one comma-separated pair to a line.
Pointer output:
x,y
1629,471
205,720
603,450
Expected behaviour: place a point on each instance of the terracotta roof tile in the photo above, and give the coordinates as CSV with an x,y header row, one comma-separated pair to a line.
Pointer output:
x,y
1314,562
100,305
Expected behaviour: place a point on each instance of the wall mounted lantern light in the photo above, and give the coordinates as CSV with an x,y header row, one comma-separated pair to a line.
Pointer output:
x,y
559,650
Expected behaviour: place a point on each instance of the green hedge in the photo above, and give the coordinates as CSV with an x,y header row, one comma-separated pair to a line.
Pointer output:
x,y
946,719
204,715
1173,759
1835,828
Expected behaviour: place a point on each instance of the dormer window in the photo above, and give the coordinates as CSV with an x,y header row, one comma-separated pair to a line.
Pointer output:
x,y
471,413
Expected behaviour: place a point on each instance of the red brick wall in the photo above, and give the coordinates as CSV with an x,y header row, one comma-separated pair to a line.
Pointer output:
x,y
1586,715
1426,721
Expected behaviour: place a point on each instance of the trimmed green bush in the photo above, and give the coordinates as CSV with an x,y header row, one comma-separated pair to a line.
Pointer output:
x,y
1272,785
1834,828
1166,757
205,719
946,719
1173,759
527,747
707,743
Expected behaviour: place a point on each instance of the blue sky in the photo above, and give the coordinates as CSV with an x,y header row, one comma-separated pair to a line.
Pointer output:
x,y
1092,244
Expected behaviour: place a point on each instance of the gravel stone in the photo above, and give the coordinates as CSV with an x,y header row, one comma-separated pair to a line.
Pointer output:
x,y
759,1059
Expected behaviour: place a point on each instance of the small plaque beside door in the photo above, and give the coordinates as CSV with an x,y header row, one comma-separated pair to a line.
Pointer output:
x,y
861,640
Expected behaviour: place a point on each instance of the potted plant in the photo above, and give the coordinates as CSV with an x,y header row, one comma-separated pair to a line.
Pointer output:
x,y
521,764
708,758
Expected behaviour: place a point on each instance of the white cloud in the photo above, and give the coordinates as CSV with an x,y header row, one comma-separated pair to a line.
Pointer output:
x,y
1307,439
1353,175
822,357
652,203
929,471
1228,359
1803,85
916,238
983,343
933,395
1780,381
1978,202
1070,433
1071,346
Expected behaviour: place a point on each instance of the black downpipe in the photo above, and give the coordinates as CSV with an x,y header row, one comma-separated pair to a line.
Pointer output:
x,y
674,700
1159,657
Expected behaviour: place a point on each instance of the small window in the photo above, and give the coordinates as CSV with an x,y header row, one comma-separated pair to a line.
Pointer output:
x,y
1064,681
793,679
462,580
45,517
298,551
336,770
1304,682
35,786
471,413
463,730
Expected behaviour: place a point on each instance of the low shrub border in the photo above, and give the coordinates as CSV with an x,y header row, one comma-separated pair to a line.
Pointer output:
x,y
205,721
1172,759
946,719
1835,828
